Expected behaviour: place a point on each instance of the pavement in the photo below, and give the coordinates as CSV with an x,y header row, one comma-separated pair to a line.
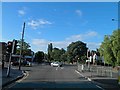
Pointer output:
x,y
15,74
107,83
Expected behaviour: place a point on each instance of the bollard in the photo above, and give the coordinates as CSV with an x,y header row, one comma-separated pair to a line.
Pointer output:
x,y
82,68
119,75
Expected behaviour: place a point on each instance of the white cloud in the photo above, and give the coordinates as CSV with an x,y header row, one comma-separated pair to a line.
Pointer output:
x,y
21,12
91,33
79,12
42,44
83,36
75,37
93,45
61,44
34,24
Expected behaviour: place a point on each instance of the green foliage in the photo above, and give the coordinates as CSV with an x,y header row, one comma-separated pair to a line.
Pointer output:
x,y
110,48
76,51
26,46
58,54
64,57
39,56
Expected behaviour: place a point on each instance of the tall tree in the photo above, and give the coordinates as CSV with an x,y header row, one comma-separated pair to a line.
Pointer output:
x,y
77,51
56,54
63,56
115,45
110,48
39,56
107,51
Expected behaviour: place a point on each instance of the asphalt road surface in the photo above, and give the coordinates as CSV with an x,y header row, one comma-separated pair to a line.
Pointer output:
x,y
42,77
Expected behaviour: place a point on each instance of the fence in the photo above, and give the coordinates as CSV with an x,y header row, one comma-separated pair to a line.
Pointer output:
x,y
96,70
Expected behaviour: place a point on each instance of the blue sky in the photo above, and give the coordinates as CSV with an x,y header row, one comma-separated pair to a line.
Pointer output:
x,y
60,23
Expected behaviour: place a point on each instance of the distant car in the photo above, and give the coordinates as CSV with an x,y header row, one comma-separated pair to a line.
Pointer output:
x,y
56,64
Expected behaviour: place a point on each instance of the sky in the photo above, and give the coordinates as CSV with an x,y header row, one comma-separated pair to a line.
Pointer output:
x,y
60,23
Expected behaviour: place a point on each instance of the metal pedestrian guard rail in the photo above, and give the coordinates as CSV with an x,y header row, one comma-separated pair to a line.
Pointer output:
x,y
95,70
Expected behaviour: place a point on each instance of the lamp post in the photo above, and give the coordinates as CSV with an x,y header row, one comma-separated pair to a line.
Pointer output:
x,y
21,47
117,20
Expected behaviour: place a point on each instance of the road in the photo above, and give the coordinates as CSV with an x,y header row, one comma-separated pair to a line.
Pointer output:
x,y
48,77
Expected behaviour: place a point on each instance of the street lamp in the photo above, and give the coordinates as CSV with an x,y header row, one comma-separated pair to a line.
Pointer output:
x,y
115,19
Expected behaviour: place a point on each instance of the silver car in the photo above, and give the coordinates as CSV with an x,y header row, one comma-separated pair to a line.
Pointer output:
x,y
56,64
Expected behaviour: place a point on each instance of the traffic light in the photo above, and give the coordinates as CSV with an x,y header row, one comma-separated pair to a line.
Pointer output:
x,y
15,46
9,47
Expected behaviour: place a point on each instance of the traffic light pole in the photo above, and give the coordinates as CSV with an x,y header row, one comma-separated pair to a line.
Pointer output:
x,y
21,48
9,64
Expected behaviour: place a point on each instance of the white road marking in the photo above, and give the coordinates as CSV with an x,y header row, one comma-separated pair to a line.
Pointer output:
x,y
100,87
89,79
79,73
57,68
62,67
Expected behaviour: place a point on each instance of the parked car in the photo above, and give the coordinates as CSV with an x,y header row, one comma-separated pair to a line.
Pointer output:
x,y
56,64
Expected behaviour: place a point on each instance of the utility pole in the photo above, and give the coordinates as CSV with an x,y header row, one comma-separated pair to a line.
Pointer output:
x,y
21,47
